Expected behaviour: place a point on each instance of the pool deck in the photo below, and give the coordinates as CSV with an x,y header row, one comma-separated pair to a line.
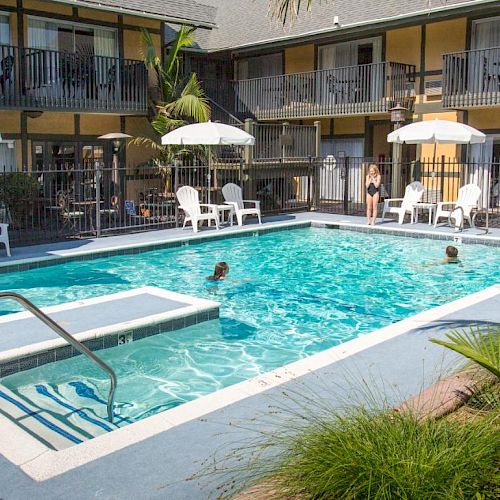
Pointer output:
x,y
162,456
73,248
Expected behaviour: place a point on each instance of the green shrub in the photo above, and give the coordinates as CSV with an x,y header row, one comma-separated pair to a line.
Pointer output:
x,y
17,187
389,456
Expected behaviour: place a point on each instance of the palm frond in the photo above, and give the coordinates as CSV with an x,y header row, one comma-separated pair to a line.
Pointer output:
x,y
145,142
184,38
480,347
192,102
288,9
163,123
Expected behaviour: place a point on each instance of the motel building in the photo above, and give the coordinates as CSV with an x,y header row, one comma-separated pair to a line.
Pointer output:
x,y
72,71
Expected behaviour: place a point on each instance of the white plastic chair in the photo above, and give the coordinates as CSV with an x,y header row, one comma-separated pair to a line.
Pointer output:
x,y
233,196
4,237
468,196
189,202
413,195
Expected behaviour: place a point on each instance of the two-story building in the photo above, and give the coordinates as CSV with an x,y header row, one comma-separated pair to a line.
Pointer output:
x,y
72,70
347,63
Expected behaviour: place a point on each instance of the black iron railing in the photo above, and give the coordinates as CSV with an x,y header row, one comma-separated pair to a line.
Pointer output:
x,y
53,80
361,89
55,203
471,78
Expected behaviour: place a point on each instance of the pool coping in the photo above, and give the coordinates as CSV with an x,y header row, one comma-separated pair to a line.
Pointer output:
x,y
267,227
41,463
193,311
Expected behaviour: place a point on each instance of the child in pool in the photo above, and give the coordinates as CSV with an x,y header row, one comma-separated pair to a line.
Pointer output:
x,y
451,255
220,272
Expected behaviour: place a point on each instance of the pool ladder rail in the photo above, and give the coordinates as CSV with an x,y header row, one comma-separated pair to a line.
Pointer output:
x,y
71,340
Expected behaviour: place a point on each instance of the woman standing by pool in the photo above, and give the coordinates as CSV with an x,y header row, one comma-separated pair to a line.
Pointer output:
x,y
373,180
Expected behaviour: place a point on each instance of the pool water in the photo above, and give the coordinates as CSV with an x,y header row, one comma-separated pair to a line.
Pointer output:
x,y
289,294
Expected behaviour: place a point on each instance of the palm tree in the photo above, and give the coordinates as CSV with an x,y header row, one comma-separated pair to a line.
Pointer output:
x,y
177,99
283,9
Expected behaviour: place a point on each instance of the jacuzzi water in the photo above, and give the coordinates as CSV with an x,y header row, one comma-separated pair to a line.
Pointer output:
x,y
288,295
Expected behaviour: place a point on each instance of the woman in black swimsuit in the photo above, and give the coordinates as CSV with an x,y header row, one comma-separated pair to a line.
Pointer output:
x,y
373,180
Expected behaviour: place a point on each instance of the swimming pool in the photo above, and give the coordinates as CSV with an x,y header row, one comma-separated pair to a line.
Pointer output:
x,y
291,294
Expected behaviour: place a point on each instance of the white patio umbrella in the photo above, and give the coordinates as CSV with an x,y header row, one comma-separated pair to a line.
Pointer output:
x,y
438,132
210,134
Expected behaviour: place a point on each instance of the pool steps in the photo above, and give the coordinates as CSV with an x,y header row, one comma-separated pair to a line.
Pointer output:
x,y
99,323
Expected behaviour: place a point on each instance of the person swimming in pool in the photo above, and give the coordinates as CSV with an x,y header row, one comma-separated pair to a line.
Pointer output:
x,y
451,255
373,180
220,272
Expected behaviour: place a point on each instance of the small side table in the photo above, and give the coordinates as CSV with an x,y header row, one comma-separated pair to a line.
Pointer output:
x,y
430,207
225,209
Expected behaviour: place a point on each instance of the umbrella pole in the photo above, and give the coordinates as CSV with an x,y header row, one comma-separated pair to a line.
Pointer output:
x,y
209,176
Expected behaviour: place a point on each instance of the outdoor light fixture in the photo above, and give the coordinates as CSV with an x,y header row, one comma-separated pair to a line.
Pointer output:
x,y
117,138
398,114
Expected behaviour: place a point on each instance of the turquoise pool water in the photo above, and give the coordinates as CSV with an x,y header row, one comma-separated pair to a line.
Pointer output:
x,y
290,294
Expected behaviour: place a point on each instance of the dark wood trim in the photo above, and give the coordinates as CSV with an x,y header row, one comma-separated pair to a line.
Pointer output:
x,y
316,62
24,140
421,73
468,34
123,150
348,136
465,117
384,45
331,128
121,45
77,124
368,144
63,138
433,72
162,43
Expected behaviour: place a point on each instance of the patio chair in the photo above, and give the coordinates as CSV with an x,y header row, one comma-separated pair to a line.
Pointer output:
x,y
4,237
413,195
468,196
233,196
189,202
71,218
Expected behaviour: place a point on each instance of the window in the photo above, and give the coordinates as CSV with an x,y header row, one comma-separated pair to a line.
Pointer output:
x,y
353,53
4,30
7,156
65,37
260,66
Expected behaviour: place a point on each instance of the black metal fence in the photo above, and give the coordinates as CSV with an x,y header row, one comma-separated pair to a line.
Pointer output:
x,y
62,202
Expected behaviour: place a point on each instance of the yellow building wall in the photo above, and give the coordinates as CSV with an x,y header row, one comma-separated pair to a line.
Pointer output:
x,y
299,59
484,118
132,44
380,144
142,22
349,125
403,45
448,150
10,122
138,127
442,38
99,124
52,123
55,8
98,15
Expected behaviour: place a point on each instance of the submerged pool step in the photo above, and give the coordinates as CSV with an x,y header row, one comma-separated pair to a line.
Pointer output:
x,y
53,419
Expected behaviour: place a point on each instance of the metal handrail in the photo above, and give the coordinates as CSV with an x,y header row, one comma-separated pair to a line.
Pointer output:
x,y
71,340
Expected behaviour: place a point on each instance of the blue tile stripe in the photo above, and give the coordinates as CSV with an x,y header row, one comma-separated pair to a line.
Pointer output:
x,y
40,419
42,390
86,392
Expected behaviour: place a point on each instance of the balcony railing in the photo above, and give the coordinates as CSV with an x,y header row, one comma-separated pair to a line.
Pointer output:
x,y
362,89
471,78
52,80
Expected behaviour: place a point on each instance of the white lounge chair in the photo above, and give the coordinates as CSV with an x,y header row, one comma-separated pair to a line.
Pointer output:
x,y
189,202
233,196
413,195
4,237
468,196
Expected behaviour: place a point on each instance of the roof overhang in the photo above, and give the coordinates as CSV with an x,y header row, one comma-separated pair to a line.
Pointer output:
x,y
346,29
138,13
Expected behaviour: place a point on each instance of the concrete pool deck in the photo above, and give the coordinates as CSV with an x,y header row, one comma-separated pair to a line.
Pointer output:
x,y
83,247
162,456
